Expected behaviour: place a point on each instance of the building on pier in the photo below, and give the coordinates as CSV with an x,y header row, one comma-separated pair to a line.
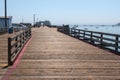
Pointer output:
x,y
43,23
3,28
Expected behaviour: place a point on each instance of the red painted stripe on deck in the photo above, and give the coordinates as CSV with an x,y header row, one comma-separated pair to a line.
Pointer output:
x,y
11,69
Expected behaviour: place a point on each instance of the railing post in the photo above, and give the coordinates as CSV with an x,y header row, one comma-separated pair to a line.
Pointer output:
x,y
74,32
23,37
20,41
79,34
16,43
116,44
9,52
91,37
101,39
84,35
70,31
26,35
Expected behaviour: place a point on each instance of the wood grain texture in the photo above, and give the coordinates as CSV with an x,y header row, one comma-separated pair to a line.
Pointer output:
x,y
52,55
4,51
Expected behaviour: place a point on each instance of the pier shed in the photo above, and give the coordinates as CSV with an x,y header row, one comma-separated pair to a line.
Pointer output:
x,y
2,23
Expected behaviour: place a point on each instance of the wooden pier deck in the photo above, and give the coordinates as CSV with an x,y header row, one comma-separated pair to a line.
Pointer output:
x,y
4,51
51,55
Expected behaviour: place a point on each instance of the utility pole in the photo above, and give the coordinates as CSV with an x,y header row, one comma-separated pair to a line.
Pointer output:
x,y
33,19
6,15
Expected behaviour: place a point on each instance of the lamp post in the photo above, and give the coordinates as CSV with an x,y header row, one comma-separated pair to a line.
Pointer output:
x,y
34,19
6,14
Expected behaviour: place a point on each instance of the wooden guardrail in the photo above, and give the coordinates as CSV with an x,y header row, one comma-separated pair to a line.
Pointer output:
x,y
101,39
15,45
64,29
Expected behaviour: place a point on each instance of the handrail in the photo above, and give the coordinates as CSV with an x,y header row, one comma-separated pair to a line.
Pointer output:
x,y
98,32
15,45
100,38
105,40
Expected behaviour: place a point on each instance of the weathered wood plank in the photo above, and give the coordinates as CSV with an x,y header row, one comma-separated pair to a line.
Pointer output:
x,y
65,78
69,64
54,56
67,72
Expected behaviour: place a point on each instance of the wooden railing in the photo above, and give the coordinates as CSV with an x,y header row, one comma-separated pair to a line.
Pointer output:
x,y
104,40
15,45
64,29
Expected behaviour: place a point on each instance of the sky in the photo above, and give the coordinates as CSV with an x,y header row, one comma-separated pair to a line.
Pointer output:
x,y
64,11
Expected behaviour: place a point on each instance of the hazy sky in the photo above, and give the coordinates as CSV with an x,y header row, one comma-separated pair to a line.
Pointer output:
x,y
64,11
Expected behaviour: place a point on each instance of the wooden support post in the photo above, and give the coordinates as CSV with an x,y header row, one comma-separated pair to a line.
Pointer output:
x,y
79,34
70,32
16,39
116,44
20,41
74,32
101,39
26,35
84,35
23,39
9,52
91,37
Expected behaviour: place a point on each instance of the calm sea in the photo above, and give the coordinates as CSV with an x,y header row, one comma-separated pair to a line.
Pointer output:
x,y
106,29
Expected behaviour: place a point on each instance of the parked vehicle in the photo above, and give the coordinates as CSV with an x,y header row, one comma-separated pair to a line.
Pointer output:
x,y
27,24
18,27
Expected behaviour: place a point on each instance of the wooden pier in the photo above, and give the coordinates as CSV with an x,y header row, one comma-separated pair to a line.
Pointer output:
x,y
51,55
4,52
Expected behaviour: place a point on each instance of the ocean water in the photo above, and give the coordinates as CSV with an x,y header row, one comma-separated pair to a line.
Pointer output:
x,y
98,28
106,29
